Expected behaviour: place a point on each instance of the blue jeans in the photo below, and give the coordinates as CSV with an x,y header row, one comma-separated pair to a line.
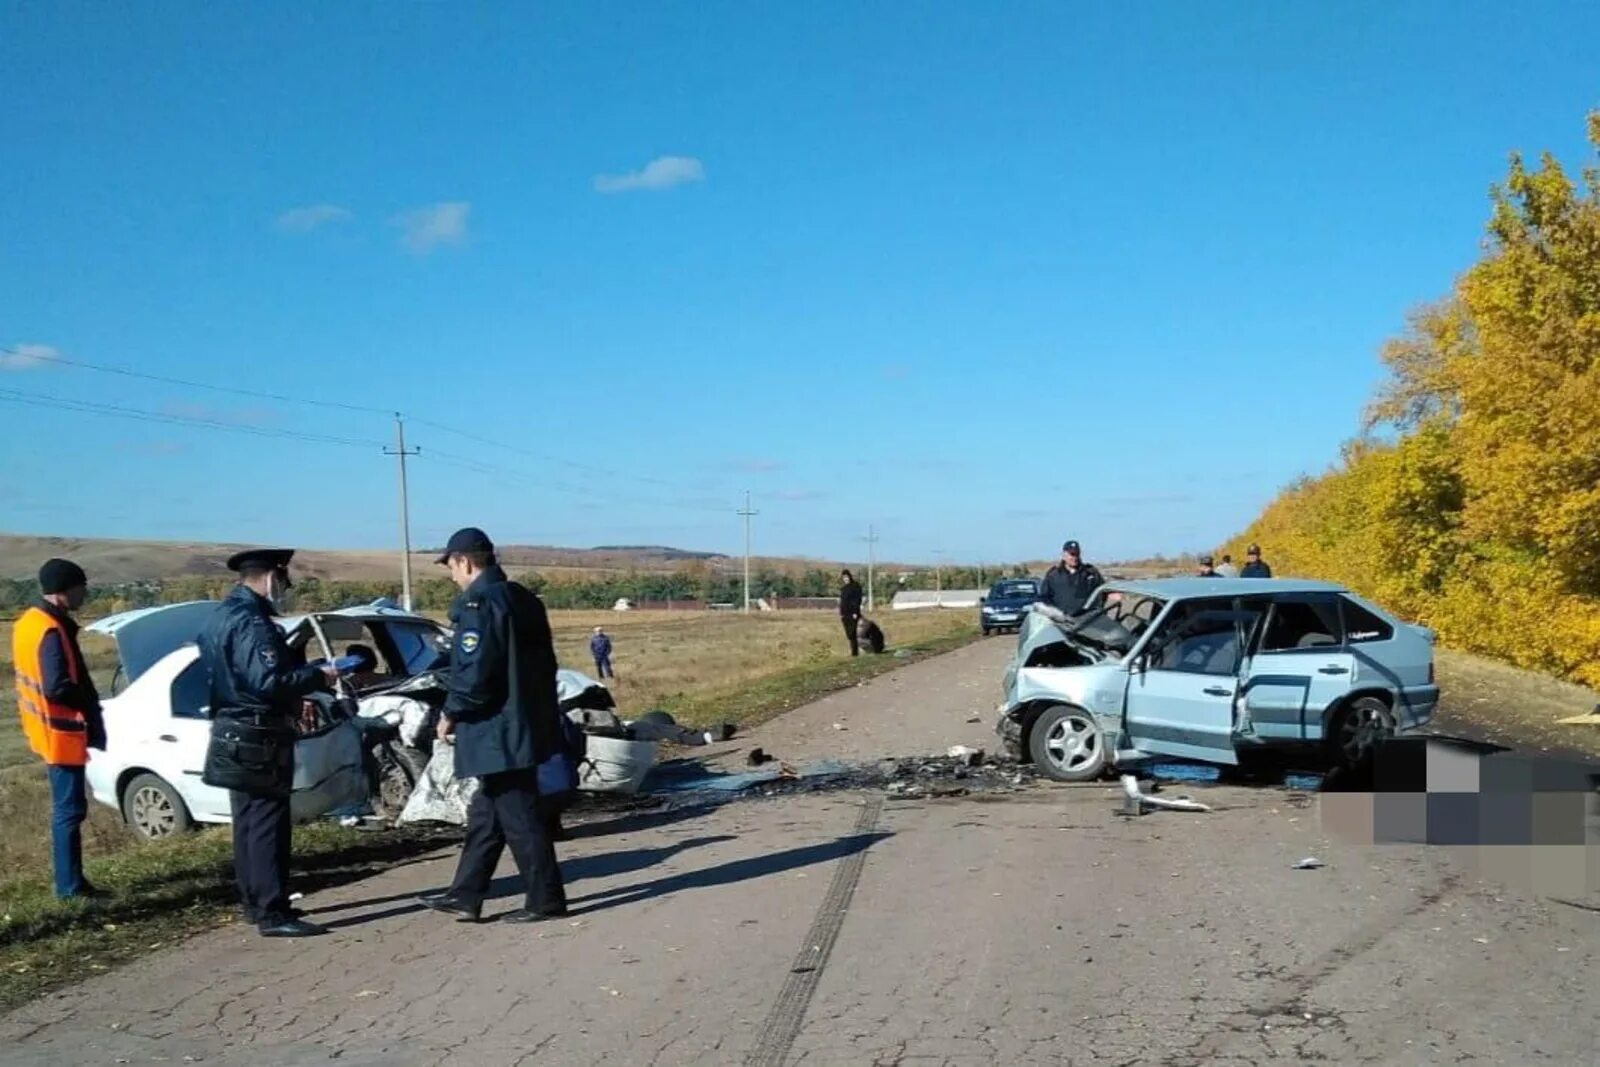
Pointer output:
x,y
70,806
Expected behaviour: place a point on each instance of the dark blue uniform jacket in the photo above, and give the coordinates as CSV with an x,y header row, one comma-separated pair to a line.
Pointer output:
x,y
253,673
502,679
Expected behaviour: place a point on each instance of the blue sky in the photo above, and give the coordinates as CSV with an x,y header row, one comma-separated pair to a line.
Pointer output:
x,y
982,275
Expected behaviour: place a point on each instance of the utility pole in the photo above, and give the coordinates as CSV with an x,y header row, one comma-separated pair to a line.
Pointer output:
x,y
872,540
400,453
747,515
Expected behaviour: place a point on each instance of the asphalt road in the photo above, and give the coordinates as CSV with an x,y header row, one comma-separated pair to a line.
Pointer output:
x,y
1031,925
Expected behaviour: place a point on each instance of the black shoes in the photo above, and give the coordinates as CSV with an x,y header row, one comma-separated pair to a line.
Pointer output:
x,y
289,927
534,915
464,911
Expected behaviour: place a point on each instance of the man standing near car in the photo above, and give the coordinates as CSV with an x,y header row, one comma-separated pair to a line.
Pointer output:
x,y
1069,584
1254,565
256,692
60,711
850,609
505,719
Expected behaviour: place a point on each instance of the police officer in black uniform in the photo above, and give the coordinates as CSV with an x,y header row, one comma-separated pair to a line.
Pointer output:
x,y
1068,585
505,718
255,698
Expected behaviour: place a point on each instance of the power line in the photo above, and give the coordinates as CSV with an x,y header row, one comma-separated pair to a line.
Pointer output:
x,y
46,400
451,459
187,383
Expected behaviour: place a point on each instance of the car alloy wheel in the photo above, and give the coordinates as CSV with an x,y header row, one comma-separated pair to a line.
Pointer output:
x,y
153,809
1068,745
1360,727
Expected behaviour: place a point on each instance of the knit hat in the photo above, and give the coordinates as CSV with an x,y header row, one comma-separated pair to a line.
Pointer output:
x,y
59,575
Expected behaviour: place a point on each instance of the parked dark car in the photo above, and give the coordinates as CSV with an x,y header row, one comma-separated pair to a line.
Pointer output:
x,y
1007,603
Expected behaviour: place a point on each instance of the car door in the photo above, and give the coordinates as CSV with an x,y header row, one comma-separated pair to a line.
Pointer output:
x,y
177,749
1181,692
1300,667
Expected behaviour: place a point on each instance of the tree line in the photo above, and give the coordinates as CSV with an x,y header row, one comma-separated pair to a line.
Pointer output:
x,y
435,594
1471,501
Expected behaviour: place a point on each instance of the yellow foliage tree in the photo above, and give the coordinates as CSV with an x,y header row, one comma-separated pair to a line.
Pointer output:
x,y
1480,514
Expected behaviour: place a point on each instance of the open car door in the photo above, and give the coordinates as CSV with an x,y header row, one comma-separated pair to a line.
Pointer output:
x,y
1301,667
1181,693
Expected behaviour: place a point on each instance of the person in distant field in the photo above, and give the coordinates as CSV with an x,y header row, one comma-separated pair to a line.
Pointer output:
x,y
1069,584
1206,569
850,609
1254,565
1226,569
60,712
600,649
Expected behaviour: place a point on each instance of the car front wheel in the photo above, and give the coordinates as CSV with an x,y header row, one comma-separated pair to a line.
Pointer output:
x,y
1067,744
153,809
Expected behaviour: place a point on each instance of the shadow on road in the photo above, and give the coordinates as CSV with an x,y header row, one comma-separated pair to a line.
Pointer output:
x,y
604,865
728,873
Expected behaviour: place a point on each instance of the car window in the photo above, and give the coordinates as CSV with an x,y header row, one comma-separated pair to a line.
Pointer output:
x,y
1362,625
1201,637
1297,623
190,697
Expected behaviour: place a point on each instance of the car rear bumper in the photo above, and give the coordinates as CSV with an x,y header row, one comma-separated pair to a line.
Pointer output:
x,y
1415,707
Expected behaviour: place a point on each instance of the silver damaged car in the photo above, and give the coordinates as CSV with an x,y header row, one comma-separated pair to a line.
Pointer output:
x,y
1212,669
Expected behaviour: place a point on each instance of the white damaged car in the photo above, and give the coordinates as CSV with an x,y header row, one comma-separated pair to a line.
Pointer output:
x,y
158,717
1212,669
381,757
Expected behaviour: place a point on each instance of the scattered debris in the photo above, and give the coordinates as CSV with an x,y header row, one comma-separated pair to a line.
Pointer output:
x,y
1137,803
1310,863
1590,719
974,718
1481,940
786,771
758,756
969,757
840,726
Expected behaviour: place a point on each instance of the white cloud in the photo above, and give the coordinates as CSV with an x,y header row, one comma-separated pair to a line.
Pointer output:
x,y
26,357
306,219
426,228
663,173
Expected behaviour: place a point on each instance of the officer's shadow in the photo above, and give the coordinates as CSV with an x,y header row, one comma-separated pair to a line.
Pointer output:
x,y
604,865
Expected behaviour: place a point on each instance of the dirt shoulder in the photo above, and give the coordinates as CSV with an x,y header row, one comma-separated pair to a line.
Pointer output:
x,y
1488,700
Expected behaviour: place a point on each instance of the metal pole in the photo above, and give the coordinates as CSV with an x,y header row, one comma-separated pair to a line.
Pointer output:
x,y
747,513
405,510
872,540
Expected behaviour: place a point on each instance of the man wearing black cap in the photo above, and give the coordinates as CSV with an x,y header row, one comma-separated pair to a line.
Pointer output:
x,y
1207,568
504,716
255,699
1069,584
1255,566
60,711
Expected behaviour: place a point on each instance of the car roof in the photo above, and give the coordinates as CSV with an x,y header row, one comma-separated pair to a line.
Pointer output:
x,y
1195,588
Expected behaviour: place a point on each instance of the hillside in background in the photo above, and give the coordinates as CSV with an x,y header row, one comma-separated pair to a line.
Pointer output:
x,y
1473,503
112,562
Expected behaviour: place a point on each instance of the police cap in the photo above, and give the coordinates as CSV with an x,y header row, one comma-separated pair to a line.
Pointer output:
x,y
1070,546
262,559
466,539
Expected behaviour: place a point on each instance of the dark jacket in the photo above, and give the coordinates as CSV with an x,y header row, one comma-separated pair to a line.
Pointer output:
x,y
1068,590
502,694
1257,569
254,675
600,646
59,688
850,599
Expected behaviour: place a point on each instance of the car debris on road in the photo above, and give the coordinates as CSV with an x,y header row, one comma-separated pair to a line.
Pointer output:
x,y
1136,803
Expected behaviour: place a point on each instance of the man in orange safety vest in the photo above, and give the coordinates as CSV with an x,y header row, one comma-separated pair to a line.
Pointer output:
x,y
60,711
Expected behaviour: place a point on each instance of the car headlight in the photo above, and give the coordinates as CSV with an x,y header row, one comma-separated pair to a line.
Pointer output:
x,y
988,610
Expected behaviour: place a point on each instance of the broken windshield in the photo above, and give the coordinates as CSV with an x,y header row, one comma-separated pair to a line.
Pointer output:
x,y
1116,623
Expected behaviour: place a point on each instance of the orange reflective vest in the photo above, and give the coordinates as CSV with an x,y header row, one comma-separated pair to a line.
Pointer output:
x,y
59,735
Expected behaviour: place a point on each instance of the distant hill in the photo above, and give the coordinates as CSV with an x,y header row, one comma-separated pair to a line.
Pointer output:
x,y
111,562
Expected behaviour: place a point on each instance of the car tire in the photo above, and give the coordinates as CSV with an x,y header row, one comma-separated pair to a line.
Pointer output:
x,y
1356,728
1067,744
985,630
399,770
153,809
